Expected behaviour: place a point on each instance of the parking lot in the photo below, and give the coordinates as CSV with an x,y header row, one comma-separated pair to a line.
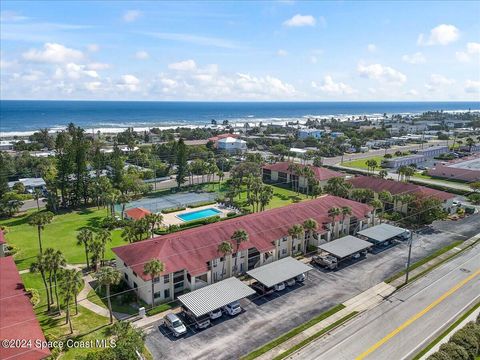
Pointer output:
x,y
264,319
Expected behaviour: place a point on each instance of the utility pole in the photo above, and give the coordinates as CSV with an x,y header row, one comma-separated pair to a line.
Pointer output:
x,y
409,257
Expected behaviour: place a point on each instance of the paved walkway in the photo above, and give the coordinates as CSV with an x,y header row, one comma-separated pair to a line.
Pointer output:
x,y
435,261
363,301
86,303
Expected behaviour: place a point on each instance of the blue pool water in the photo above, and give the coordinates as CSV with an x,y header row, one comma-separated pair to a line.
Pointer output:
x,y
199,214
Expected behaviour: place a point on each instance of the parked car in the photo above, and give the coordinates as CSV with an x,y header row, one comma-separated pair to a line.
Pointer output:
x,y
261,289
290,282
300,278
200,322
215,314
176,325
233,308
279,287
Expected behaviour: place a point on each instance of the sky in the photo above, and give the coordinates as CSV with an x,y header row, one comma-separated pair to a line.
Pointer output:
x,y
240,50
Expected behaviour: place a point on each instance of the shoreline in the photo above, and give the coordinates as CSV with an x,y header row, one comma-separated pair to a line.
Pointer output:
x,y
239,122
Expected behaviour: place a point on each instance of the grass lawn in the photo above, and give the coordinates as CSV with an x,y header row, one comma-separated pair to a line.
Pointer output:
x,y
281,196
61,234
360,163
119,303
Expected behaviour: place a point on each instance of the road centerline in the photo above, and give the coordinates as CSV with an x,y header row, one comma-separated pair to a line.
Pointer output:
x,y
417,316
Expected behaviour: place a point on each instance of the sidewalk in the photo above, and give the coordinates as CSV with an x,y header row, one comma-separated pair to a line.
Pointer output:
x,y
435,261
363,301
146,322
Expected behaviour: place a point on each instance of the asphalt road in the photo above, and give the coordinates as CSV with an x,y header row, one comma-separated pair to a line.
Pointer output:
x,y
402,325
267,318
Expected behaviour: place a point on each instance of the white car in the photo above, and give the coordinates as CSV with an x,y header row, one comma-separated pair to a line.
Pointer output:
x,y
300,278
215,314
279,287
176,325
290,282
233,309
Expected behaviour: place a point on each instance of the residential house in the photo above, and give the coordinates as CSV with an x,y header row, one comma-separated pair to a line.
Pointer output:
x,y
306,133
136,213
232,145
192,259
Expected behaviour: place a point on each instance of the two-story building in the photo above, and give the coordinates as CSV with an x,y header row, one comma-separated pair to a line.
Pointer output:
x,y
283,173
192,258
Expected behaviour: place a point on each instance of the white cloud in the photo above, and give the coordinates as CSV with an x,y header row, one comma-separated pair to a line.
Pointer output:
x,y
443,34
11,16
381,73
142,55
92,85
194,39
97,66
131,15
268,85
282,52
300,20
412,92
371,48
473,48
74,71
417,58
436,81
472,86
313,59
32,75
187,65
332,88
53,53
129,82
93,47
462,56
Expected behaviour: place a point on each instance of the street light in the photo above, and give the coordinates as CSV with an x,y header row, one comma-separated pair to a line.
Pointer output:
x,y
409,257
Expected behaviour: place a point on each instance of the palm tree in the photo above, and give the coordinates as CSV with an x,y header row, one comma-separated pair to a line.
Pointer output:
x,y
55,261
153,221
385,197
295,231
36,195
376,204
346,210
239,236
85,237
470,142
40,219
153,268
310,226
77,287
108,276
333,213
123,199
41,267
103,237
224,248
382,174
266,195
69,288
96,248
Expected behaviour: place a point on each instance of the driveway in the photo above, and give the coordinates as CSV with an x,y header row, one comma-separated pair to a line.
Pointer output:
x,y
264,319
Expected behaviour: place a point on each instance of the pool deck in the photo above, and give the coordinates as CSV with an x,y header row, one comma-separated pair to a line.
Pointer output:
x,y
172,219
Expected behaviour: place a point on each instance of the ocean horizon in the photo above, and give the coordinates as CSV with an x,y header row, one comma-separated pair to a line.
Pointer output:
x,y
23,117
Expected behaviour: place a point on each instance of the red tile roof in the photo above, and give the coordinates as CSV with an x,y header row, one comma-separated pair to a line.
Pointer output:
x,y
2,238
396,187
17,319
321,173
191,249
137,213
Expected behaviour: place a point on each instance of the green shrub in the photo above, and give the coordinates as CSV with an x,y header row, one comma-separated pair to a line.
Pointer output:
x,y
160,308
174,209
33,295
232,214
467,340
454,351
439,355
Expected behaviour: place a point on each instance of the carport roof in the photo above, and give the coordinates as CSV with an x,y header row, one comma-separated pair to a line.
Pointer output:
x,y
345,246
278,271
214,296
382,232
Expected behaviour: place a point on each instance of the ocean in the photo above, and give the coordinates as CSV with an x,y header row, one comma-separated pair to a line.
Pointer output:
x,y
22,117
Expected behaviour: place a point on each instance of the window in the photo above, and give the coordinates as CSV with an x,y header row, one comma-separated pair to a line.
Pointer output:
x,y
284,251
166,279
156,279
157,294
124,265
126,276
134,274
166,293
178,285
284,239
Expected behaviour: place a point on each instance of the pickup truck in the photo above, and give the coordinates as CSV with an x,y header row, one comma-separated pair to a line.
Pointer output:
x,y
325,260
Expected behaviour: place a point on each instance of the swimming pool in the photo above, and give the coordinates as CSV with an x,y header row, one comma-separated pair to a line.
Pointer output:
x,y
199,214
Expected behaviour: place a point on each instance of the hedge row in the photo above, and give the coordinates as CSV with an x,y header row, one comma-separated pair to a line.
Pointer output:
x,y
174,209
203,203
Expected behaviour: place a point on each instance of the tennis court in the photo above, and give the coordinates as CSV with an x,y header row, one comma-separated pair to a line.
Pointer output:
x,y
170,201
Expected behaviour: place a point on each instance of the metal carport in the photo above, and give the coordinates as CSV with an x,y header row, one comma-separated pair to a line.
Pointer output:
x,y
214,296
381,233
345,246
278,271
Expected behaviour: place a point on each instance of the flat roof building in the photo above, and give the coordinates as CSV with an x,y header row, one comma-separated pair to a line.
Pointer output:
x,y
466,169
279,271
381,233
345,246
